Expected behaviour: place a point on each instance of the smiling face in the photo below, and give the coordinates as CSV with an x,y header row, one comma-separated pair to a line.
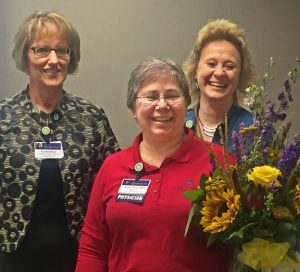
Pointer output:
x,y
49,71
218,71
163,120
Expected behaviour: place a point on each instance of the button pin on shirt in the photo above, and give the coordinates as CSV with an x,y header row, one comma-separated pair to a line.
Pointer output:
x,y
46,130
139,169
189,123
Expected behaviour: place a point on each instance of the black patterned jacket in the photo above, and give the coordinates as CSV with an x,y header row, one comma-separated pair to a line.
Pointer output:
x,y
87,140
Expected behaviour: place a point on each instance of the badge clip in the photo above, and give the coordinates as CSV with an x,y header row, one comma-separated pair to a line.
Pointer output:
x,y
139,169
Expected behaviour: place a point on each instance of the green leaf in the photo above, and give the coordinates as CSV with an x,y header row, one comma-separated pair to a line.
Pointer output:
x,y
240,233
292,254
193,210
202,181
217,172
194,195
285,227
211,239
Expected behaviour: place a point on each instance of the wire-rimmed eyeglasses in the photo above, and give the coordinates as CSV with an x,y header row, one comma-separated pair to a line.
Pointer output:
x,y
152,98
44,51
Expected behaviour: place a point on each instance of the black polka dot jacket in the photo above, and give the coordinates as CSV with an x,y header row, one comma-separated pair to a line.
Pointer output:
x,y
87,139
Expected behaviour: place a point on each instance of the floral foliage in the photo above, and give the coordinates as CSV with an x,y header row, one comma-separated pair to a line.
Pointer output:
x,y
254,205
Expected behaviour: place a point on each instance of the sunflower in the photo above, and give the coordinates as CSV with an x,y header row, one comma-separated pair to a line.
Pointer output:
x,y
297,197
215,184
219,210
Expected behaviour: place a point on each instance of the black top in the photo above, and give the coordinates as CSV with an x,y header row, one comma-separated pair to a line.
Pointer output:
x,y
48,221
49,202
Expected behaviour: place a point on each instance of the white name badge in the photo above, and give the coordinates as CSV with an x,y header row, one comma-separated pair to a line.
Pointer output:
x,y
52,150
132,190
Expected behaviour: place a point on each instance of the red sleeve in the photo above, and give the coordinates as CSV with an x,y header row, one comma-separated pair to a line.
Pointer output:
x,y
94,243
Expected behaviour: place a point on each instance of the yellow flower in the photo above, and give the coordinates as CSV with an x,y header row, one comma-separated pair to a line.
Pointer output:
x,y
274,153
263,255
214,184
219,210
248,129
264,175
281,212
297,197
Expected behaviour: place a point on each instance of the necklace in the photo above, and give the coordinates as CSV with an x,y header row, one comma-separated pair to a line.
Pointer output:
x,y
208,131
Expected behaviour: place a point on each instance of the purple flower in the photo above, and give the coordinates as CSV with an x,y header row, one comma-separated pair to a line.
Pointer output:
x,y
267,135
289,157
281,116
281,96
283,101
277,116
286,128
288,90
236,142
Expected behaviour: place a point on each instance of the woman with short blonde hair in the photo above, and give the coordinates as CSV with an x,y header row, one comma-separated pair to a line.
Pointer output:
x,y
219,69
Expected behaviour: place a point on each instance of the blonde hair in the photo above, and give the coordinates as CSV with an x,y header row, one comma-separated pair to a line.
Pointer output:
x,y
220,29
33,26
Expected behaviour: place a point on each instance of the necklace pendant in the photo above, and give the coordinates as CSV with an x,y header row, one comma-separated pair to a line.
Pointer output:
x,y
46,130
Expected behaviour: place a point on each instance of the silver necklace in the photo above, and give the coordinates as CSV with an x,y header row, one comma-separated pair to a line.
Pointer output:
x,y
208,131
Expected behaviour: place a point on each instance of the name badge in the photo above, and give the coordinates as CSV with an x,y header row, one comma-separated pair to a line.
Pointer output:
x,y
132,190
52,150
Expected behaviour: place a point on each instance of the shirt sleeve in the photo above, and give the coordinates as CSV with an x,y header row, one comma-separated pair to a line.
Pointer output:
x,y
108,140
94,245
105,143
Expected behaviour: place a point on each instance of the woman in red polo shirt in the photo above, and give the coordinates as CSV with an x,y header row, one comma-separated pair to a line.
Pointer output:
x,y
137,211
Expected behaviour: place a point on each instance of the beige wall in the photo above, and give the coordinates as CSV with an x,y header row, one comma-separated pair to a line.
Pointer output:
x,y
117,34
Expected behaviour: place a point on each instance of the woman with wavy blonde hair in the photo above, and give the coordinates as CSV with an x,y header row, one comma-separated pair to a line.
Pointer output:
x,y
218,69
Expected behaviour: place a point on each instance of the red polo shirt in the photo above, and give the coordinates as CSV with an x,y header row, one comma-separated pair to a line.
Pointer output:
x,y
148,237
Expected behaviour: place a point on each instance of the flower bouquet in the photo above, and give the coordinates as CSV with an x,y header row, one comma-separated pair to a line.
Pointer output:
x,y
254,205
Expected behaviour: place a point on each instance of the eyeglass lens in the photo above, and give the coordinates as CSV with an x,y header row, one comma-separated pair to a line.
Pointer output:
x,y
45,51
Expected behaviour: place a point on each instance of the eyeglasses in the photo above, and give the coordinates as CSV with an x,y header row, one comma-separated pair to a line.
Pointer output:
x,y
44,51
152,98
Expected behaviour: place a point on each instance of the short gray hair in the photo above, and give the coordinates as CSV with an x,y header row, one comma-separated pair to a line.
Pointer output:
x,y
32,26
149,69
